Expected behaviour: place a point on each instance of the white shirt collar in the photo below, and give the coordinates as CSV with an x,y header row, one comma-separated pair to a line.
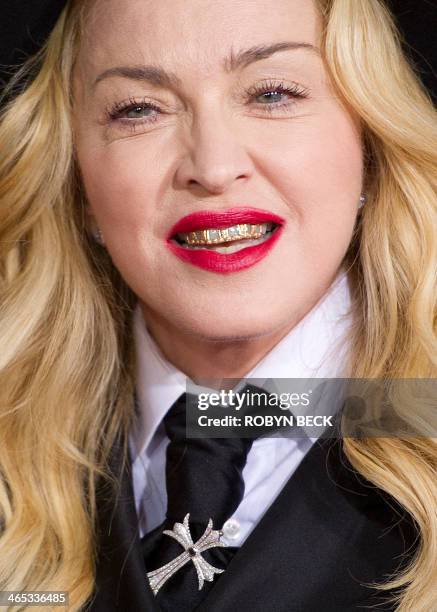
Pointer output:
x,y
316,347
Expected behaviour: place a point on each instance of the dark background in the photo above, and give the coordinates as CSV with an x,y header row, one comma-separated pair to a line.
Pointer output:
x,y
417,20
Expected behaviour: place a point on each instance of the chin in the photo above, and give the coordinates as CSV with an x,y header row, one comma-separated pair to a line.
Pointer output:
x,y
220,327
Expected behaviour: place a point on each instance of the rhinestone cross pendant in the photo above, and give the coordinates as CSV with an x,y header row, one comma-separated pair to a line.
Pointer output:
x,y
192,552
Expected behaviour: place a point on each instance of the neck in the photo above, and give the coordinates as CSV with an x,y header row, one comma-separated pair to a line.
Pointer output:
x,y
207,361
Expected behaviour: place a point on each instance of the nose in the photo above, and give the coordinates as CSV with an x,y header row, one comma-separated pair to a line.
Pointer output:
x,y
215,157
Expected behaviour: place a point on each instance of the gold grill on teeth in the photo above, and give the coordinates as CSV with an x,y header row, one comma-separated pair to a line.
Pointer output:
x,y
228,234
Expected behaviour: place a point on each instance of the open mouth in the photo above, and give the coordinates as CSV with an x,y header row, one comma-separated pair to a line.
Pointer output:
x,y
226,240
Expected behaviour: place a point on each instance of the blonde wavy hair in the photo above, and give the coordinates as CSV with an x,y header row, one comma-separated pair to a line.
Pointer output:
x,y
66,364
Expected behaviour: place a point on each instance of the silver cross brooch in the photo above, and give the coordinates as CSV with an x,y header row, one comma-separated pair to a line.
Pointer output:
x,y
192,552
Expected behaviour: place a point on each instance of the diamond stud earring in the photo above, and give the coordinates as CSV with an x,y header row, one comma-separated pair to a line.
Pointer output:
x,y
98,236
363,200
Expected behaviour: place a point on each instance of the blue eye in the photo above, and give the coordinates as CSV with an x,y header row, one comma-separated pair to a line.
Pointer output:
x,y
269,96
133,110
273,93
138,112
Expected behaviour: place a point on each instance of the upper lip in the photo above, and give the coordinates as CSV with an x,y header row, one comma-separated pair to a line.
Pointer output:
x,y
204,219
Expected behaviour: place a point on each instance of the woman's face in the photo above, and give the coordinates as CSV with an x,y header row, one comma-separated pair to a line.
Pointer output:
x,y
209,105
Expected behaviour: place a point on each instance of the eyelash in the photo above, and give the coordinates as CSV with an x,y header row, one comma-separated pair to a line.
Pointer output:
x,y
296,91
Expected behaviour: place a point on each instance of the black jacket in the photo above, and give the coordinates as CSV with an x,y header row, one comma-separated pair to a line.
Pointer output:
x,y
325,537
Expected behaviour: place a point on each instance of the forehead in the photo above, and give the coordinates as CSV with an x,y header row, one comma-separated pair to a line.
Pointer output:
x,y
191,33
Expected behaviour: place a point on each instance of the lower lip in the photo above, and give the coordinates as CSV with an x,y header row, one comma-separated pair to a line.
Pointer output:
x,y
222,263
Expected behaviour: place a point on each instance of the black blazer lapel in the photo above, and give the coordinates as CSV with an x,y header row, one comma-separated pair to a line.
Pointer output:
x,y
121,582
326,533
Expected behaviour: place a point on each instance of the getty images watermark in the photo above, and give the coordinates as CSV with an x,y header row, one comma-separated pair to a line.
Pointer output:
x,y
315,407
250,400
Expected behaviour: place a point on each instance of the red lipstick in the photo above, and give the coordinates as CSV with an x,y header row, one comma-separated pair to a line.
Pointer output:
x,y
223,263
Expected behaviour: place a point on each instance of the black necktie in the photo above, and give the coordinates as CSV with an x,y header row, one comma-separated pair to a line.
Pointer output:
x,y
204,479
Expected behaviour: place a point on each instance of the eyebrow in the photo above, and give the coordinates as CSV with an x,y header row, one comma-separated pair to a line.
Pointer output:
x,y
235,61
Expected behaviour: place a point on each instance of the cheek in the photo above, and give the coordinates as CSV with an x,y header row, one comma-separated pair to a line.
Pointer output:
x,y
120,185
317,158
316,165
